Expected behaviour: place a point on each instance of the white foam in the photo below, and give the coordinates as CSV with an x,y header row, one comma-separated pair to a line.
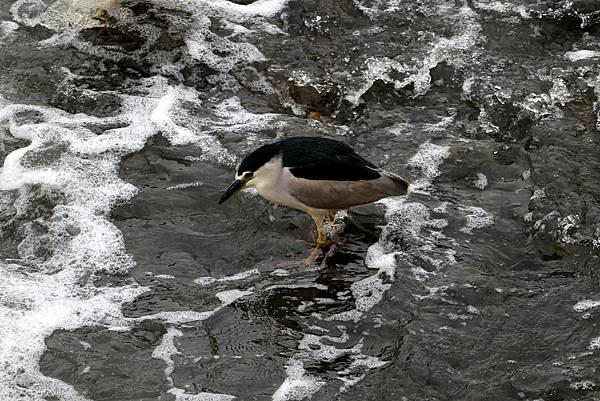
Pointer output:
x,y
177,132
416,71
79,238
231,116
239,276
473,310
467,88
185,185
377,69
223,53
476,218
182,316
481,182
7,28
297,385
326,348
298,285
585,305
230,296
166,349
164,276
444,123
262,8
578,55
429,158
349,375
538,194
32,306
313,345
542,105
280,273
207,48
485,122
582,385
180,395
502,7
162,117
594,344
378,7
60,15
178,317
559,93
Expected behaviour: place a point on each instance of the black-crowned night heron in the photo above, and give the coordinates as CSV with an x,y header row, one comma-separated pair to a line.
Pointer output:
x,y
315,175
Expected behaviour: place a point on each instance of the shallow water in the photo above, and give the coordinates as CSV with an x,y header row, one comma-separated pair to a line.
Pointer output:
x,y
122,279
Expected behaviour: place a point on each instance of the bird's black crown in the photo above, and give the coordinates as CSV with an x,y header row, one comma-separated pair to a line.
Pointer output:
x,y
258,158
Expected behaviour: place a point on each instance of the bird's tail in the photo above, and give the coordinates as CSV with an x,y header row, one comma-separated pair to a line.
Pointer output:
x,y
400,185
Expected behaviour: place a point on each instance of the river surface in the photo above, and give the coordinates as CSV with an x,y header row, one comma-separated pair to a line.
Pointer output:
x,y
121,123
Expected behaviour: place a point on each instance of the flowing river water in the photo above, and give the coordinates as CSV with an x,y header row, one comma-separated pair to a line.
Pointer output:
x,y
122,279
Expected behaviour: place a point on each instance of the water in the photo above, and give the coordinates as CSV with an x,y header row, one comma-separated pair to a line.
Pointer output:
x,y
122,279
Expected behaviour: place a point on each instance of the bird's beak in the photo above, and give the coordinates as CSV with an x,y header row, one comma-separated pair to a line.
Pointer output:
x,y
233,188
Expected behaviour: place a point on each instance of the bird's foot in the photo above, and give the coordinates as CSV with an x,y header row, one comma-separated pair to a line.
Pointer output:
x,y
327,243
324,244
315,256
323,248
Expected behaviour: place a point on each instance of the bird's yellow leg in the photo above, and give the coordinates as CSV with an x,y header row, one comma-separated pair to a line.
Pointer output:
x,y
331,215
322,238
323,242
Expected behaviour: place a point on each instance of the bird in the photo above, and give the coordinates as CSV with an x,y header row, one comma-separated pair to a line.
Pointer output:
x,y
315,175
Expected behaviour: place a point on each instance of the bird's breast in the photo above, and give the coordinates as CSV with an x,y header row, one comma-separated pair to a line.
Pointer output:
x,y
273,183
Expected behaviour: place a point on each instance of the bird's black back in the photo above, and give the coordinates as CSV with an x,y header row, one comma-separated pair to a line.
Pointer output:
x,y
314,158
259,157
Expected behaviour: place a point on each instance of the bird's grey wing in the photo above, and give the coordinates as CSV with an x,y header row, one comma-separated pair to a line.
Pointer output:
x,y
332,194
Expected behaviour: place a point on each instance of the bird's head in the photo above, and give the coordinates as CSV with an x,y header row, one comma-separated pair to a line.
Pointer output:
x,y
249,171
242,180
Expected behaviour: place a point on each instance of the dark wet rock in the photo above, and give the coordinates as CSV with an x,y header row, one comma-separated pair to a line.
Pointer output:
x,y
138,7
103,36
18,222
167,296
563,208
445,75
86,357
215,358
382,92
317,97
74,98
9,143
583,15
9,238
45,156
196,74
30,83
